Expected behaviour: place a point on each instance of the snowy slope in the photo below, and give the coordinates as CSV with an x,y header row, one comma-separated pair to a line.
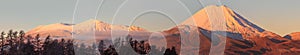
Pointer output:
x,y
222,18
56,30
89,26
96,25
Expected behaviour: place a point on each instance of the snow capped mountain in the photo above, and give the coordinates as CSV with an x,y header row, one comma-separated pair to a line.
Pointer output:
x,y
222,18
96,25
242,36
66,30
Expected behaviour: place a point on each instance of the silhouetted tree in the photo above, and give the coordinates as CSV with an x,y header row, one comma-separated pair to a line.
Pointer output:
x,y
10,33
21,34
2,42
37,44
69,48
29,50
101,47
15,34
47,46
171,51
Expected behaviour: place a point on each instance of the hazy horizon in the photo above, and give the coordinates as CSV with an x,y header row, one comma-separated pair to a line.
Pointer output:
x,y
277,16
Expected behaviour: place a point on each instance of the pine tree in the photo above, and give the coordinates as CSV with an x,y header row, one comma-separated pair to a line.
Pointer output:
x,y
2,42
101,47
10,37
21,34
15,34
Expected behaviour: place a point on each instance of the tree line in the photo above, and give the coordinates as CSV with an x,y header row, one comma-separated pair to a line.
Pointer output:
x,y
16,43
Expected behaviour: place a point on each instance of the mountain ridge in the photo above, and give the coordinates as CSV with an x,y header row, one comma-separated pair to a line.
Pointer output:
x,y
66,30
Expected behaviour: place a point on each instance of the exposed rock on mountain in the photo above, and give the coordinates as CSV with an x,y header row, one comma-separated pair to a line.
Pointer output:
x,y
293,36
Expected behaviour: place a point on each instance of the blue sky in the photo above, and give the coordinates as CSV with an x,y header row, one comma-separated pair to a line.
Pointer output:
x,y
279,16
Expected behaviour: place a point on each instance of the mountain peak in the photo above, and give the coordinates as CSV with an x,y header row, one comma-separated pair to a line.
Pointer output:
x,y
219,6
216,7
94,21
222,18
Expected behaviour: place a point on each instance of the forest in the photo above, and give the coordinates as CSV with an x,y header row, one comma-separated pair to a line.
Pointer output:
x,y
16,43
